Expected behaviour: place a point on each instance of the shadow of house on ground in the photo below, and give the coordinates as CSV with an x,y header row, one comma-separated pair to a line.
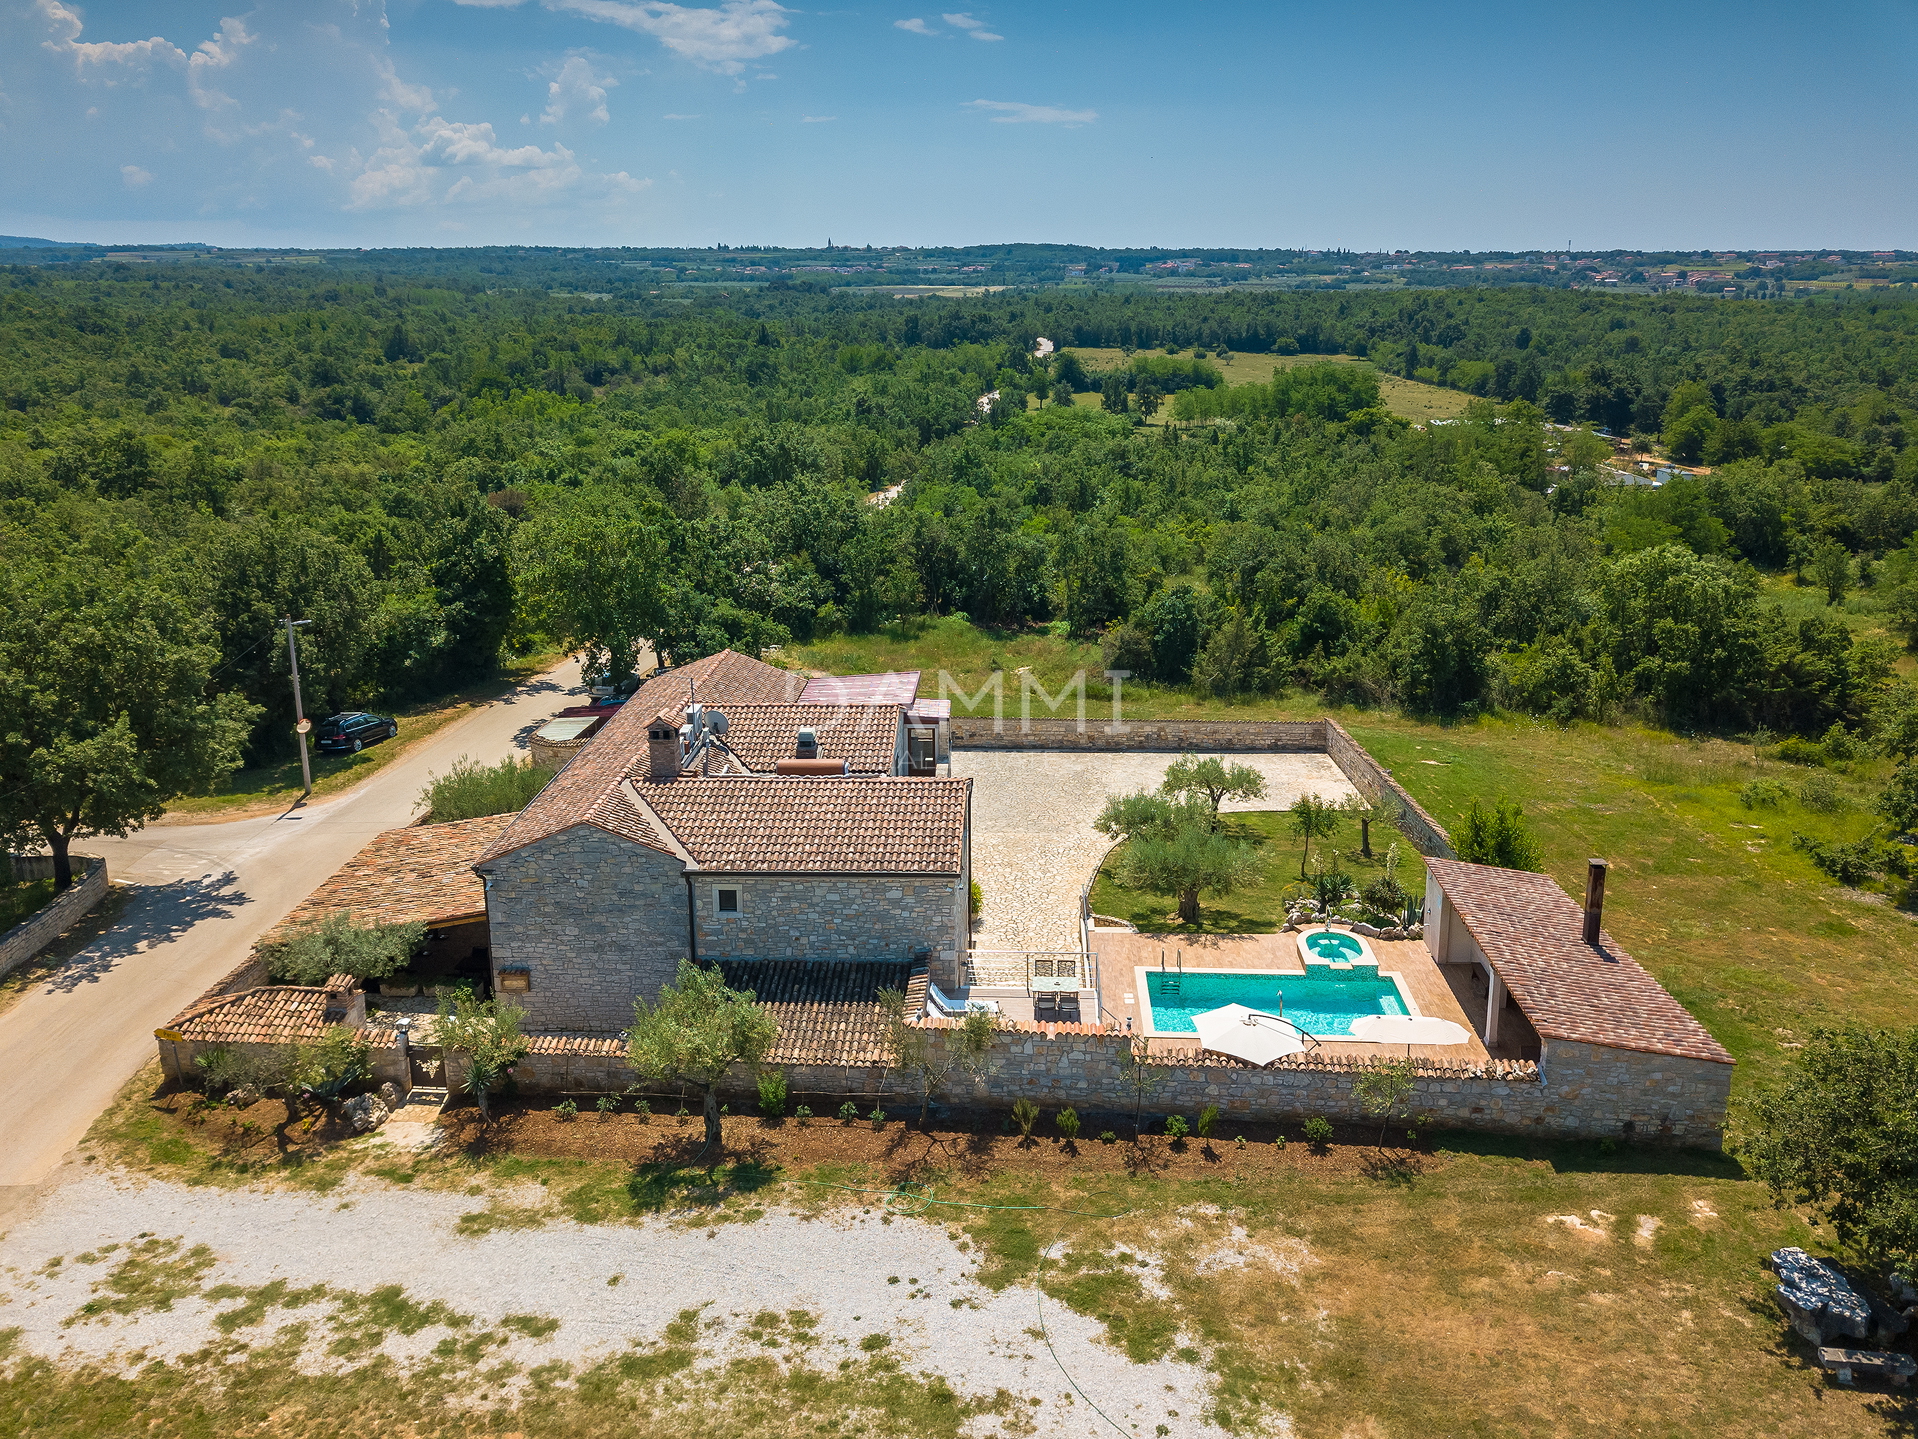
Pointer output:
x,y
149,915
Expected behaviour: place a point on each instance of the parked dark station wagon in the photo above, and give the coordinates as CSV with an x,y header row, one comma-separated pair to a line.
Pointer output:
x,y
351,733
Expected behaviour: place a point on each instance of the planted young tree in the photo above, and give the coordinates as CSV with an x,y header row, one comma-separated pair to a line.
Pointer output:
x,y
487,1033
916,1050
1313,817
104,713
1213,778
1139,1077
1367,812
696,1030
1840,1135
336,945
1386,1090
327,1067
1172,848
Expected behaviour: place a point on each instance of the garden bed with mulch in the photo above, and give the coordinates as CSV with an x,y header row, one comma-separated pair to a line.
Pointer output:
x,y
974,1144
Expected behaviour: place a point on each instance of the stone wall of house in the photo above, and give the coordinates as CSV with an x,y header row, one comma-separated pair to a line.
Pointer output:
x,y
593,920
833,916
40,929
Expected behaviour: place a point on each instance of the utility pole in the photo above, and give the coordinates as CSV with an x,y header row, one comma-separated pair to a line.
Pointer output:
x,y
301,723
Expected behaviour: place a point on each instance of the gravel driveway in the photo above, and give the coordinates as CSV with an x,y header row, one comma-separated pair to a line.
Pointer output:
x,y
362,1236
1033,844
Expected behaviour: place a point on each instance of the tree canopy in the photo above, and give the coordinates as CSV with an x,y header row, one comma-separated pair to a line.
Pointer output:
x,y
695,1031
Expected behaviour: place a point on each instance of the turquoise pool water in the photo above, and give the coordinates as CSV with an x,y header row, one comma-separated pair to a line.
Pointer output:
x,y
1320,1003
1332,946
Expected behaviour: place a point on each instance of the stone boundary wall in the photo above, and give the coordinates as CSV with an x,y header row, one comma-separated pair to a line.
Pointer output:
x,y
37,931
1173,736
1576,1091
1370,779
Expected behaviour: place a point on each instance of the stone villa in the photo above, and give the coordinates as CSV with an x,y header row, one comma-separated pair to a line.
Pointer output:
x,y
815,841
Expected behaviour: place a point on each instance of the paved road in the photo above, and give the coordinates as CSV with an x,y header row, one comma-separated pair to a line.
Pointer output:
x,y
201,894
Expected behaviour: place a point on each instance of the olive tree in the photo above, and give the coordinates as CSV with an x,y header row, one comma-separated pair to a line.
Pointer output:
x,y
1213,778
696,1030
335,944
1172,848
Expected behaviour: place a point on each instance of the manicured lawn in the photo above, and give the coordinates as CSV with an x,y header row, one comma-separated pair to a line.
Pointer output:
x,y
1260,909
271,785
1707,894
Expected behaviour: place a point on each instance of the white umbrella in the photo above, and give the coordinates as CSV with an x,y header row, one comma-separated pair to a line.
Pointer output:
x,y
1408,1030
1247,1034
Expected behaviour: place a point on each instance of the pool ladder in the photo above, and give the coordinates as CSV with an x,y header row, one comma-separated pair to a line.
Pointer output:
x,y
1170,980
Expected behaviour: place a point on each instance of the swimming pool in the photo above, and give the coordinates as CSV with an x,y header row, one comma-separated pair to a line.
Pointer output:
x,y
1321,1002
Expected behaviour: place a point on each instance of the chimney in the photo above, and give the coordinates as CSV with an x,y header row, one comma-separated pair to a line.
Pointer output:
x,y
807,744
662,746
1594,898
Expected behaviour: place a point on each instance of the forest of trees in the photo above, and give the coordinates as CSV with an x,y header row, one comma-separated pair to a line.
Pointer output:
x,y
431,472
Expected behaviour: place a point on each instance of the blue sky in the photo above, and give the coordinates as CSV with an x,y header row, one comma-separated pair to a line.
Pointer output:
x,y
452,122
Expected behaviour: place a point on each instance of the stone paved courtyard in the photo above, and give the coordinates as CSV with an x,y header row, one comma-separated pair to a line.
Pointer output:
x,y
1033,844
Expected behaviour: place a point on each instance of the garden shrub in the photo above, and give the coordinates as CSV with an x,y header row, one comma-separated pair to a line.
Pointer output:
x,y
1025,1114
1763,794
1318,1129
1820,794
1068,1122
1208,1117
772,1093
1176,1128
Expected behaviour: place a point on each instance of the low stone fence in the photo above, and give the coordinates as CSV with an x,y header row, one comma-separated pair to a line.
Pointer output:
x,y
1174,736
1370,779
35,933
1574,1091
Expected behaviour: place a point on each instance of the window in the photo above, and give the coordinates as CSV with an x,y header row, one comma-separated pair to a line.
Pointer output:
x,y
726,902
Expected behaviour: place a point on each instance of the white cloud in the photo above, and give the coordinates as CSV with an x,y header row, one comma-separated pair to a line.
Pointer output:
x,y
679,117
67,26
721,38
915,25
577,89
298,107
451,161
1014,112
816,119
975,28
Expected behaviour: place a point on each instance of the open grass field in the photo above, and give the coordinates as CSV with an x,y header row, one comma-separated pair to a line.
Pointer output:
x,y
273,786
1410,399
1708,894
1459,1285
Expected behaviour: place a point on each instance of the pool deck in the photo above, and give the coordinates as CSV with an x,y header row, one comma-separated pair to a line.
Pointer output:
x,y
1121,953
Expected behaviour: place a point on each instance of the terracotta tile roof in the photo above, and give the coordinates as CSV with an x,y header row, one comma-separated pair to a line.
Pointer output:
x,y
585,791
896,687
419,875
827,1011
1531,931
866,736
786,824
271,1014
